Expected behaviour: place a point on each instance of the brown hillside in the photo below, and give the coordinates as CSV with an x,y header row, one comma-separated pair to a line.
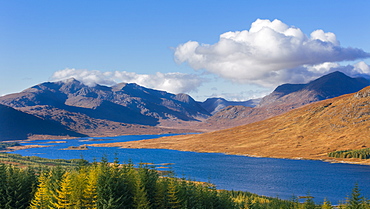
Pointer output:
x,y
308,132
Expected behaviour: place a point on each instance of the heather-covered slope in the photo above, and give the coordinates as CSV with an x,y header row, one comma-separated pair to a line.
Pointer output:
x,y
309,132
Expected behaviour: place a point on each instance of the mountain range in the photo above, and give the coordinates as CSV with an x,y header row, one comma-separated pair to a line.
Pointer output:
x,y
73,109
287,97
214,105
101,110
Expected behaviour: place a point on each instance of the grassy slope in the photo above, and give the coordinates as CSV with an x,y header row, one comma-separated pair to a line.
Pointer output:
x,y
309,132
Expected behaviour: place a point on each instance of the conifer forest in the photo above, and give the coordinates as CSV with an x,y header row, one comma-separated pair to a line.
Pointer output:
x,y
106,185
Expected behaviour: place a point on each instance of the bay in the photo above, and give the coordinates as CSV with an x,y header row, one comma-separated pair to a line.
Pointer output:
x,y
281,178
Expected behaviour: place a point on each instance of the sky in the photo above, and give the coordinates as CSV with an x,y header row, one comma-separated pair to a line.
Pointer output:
x,y
237,50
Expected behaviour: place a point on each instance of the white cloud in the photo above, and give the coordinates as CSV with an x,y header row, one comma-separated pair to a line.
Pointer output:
x,y
241,95
171,82
362,68
270,53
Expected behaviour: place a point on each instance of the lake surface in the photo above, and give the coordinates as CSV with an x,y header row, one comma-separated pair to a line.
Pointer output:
x,y
281,178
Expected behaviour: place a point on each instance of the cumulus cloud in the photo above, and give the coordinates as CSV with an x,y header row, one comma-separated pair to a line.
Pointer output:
x,y
270,53
171,82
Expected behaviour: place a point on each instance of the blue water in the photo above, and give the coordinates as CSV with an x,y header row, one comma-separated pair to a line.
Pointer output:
x,y
281,178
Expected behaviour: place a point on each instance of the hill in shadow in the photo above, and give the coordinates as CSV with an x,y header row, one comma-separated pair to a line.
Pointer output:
x,y
16,125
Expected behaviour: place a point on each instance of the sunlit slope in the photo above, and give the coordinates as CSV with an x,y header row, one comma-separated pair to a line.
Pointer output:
x,y
307,132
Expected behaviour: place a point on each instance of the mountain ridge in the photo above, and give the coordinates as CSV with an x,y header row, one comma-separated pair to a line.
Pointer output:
x,y
91,110
328,86
287,97
214,105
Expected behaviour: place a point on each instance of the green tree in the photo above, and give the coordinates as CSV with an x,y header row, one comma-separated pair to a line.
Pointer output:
x,y
3,185
149,178
113,189
55,177
140,198
19,187
172,194
309,203
355,202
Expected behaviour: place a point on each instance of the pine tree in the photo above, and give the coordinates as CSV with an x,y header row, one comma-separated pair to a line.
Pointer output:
x,y
140,198
149,178
79,185
356,200
30,185
173,200
91,193
42,197
64,193
309,203
112,188
160,195
54,180
18,189
326,204
3,185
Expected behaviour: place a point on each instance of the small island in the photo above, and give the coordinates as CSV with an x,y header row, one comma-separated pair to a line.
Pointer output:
x,y
82,147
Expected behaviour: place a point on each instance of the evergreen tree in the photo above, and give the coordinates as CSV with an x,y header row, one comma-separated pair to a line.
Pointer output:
x,y
356,200
309,203
79,184
42,197
53,184
30,182
64,193
161,194
91,194
113,189
140,198
326,204
3,185
149,178
18,190
172,195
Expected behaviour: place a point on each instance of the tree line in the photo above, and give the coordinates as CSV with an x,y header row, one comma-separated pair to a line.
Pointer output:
x,y
106,185
360,153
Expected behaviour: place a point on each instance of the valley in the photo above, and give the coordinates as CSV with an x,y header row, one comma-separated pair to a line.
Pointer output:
x,y
309,132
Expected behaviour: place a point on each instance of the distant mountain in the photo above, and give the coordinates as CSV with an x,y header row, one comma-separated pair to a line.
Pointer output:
x,y
83,108
285,98
326,87
16,125
214,105
310,132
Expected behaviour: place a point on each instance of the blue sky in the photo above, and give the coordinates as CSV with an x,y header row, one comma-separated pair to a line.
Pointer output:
x,y
147,42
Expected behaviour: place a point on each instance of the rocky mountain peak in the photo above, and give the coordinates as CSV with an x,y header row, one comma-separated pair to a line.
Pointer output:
x,y
118,87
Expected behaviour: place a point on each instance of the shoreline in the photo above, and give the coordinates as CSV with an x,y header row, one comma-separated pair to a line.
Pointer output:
x,y
158,143
22,147
355,161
